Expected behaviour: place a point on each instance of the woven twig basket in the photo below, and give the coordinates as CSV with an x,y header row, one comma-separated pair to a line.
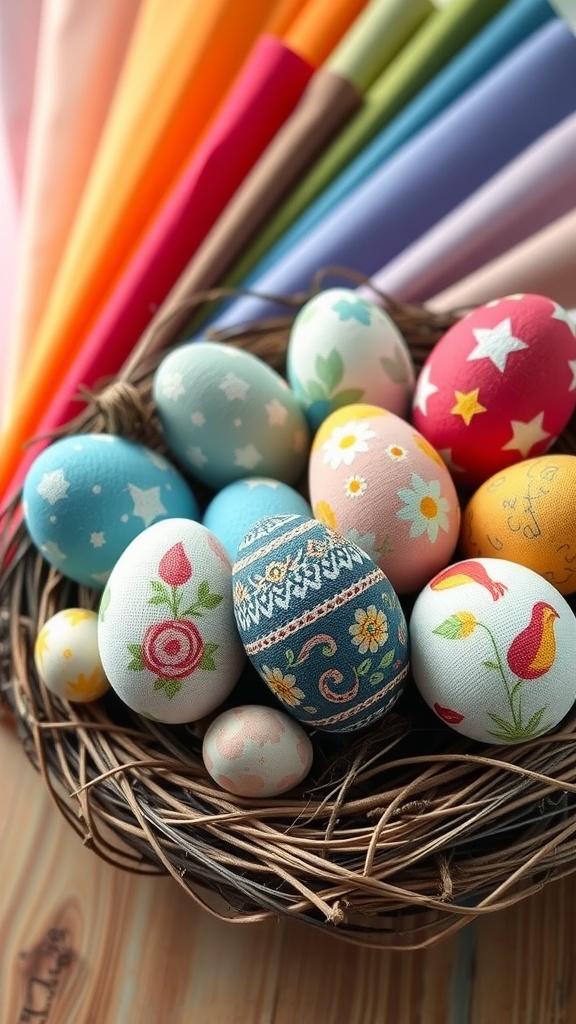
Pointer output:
x,y
396,838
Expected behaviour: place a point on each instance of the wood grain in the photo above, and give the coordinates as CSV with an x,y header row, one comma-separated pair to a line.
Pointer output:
x,y
84,943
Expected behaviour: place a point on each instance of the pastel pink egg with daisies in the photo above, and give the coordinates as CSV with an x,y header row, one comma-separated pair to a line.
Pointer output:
x,y
377,481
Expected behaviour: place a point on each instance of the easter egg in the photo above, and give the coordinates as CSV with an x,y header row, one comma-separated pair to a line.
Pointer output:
x,y
238,506
256,751
87,496
525,514
499,386
226,414
320,623
166,631
66,656
493,650
343,349
379,483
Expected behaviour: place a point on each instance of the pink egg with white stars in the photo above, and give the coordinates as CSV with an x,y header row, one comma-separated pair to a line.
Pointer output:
x,y
256,751
377,481
499,386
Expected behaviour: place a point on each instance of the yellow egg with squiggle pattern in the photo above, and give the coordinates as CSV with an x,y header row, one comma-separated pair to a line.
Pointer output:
x,y
526,514
66,656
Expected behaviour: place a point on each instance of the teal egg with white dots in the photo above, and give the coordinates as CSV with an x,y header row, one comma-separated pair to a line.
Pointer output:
x,y
238,506
345,349
227,415
87,496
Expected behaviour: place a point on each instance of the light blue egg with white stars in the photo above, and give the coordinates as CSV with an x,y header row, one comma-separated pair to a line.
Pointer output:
x,y
227,415
238,506
87,496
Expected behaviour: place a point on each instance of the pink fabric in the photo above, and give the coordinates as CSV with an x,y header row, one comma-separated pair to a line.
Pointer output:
x,y
19,30
545,264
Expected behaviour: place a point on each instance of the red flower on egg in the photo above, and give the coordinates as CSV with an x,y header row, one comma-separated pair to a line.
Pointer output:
x,y
448,715
172,649
175,568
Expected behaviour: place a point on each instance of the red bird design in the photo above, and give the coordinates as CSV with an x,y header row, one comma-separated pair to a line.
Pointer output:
x,y
467,572
532,652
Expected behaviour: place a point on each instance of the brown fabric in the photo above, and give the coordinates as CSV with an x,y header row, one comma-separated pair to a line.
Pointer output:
x,y
327,103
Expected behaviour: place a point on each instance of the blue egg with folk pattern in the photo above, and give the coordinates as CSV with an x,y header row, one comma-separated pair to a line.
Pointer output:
x,y
87,496
320,622
227,415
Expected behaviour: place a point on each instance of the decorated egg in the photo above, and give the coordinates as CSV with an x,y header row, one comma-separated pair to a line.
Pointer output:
x,y
66,656
525,514
87,496
166,631
236,508
226,415
379,483
256,751
493,650
320,623
343,349
499,386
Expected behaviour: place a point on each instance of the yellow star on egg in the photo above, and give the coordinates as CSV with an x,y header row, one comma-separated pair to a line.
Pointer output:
x,y
467,405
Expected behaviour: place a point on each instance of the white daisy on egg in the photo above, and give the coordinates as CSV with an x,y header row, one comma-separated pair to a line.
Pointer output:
x,y
347,441
355,486
396,452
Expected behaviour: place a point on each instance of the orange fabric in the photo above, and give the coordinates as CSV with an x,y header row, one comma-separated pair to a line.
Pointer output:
x,y
177,70
282,16
320,26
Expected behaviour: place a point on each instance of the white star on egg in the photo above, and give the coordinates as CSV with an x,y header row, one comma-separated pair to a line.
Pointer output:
x,y
196,456
496,343
261,482
52,551
564,317
247,457
234,387
198,419
53,486
172,387
97,540
147,503
277,413
157,460
526,435
424,390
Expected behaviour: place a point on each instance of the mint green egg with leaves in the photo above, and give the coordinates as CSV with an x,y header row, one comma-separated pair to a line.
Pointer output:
x,y
344,349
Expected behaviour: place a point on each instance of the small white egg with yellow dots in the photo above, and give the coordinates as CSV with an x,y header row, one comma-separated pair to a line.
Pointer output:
x,y
66,656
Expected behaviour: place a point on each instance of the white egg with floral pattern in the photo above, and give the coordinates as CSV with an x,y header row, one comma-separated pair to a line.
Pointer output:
x,y
166,632
255,751
374,479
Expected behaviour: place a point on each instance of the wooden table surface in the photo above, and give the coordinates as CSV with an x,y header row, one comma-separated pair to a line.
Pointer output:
x,y
83,943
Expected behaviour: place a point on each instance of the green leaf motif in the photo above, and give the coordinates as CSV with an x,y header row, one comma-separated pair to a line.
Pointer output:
x,y
330,370
290,658
491,664
395,367
205,598
207,663
137,663
315,392
310,710
105,601
534,721
451,628
388,658
161,593
170,686
376,678
347,397
364,667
